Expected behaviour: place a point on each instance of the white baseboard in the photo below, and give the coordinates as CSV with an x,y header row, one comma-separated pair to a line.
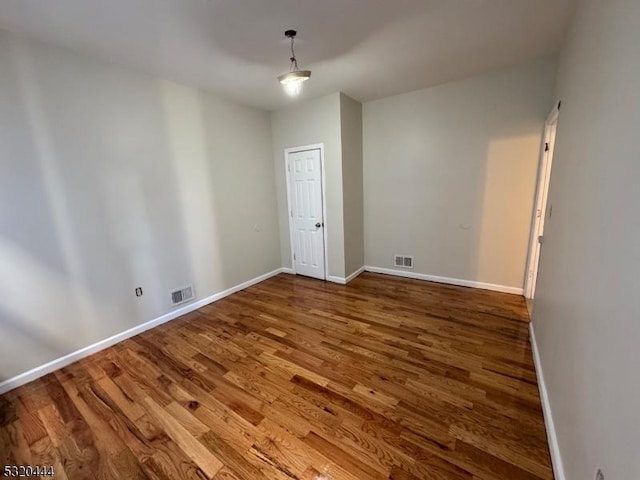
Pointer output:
x,y
354,274
450,281
330,278
335,279
345,280
552,438
61,362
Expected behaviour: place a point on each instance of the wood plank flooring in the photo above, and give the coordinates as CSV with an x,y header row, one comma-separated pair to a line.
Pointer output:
x,y
386,378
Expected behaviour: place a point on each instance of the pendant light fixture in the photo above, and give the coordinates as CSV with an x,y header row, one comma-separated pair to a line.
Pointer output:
x,y
292,81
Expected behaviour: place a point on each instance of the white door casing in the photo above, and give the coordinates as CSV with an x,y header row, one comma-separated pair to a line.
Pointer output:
x,y
306,211
540,208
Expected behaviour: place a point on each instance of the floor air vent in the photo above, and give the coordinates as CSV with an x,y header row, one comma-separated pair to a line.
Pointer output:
x,y
182,295
403,261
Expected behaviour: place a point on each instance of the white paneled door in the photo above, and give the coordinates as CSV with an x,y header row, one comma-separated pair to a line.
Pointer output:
x,y
307,215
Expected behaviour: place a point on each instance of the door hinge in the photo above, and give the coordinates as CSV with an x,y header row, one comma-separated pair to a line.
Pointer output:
x,y
291,212
546,146
294,256
288,167
541,239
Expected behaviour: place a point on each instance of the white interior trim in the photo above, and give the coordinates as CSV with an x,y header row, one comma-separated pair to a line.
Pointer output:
x,y
545,163
345,280
305,148
336,279
68,359
450,281
354,274
552,438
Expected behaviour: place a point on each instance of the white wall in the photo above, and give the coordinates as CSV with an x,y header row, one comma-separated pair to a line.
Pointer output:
x,y
352,182
316,121
449,174
110,180
587,309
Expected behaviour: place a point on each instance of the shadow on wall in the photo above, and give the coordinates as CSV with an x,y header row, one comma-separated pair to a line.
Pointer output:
x,y
25,302
106,185
312,25
191,155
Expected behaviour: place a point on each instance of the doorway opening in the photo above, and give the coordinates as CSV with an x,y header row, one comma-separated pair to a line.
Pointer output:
x,y
306,208
540,213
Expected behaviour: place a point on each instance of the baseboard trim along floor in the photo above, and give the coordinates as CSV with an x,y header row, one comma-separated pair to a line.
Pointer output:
x,y
554,448
68,359
65,360
447,280
345,280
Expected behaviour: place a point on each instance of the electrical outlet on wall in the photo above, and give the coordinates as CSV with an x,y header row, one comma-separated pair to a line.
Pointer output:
x,y
599,475
138,291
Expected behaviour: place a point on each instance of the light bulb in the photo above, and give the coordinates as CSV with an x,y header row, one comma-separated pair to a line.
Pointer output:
x,y
293,88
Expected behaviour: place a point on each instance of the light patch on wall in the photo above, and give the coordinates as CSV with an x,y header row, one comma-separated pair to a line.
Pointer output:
x,y
504,221
48,163
36,305
187,137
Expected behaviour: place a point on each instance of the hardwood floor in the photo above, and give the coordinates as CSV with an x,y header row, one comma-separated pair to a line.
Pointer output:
x,y
386,378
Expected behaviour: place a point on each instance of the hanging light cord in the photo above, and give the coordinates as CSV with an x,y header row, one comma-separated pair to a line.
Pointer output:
x,y
294,63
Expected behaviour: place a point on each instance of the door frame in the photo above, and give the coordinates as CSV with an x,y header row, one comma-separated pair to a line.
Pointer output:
x,y
306,148
540,206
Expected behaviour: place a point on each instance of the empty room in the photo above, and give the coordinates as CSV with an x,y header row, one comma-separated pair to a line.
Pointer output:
x,y
319,240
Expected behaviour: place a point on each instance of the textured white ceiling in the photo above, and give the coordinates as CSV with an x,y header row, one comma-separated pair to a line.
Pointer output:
x,y
365,48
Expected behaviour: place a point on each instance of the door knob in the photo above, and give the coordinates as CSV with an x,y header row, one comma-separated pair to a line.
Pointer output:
x,y
318,225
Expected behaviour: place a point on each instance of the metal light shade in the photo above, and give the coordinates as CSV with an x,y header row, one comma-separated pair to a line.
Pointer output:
x,y
295,76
